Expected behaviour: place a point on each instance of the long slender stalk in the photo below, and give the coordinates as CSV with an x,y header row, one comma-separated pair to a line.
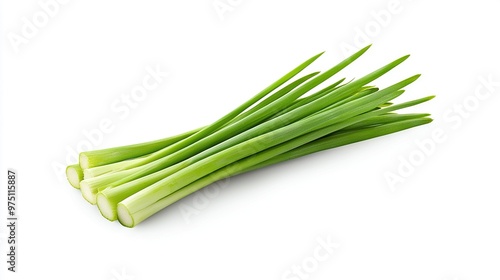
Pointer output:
x,y
121,191
113,195
151,194
340,139
265,158
162,159
273,97
100,158
94,158
286,120
108,199
99,176
152,172
304,100
123,188
105,169
228,117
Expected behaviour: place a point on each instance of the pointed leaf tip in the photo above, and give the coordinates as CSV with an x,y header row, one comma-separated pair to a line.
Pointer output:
x,y
415,77
401,59
319,54
312,74
363,50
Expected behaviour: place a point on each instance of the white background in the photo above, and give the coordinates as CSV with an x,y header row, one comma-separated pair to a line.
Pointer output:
x,y
441,222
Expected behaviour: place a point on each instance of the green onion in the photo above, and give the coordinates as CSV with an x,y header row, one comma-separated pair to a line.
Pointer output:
x,y
74,173
94,158
123,171
113,194
246,165
286,120
189,174
155,163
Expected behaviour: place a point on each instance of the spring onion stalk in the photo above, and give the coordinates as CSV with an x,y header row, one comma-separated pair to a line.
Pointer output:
x,y
101,157
106,156
108,199
193,137
148,178
106,175
100,162
273,97
288,119
312,97
122,179
88,191
105,169
245,125
382,119
341,139
112,195
183,177
225,119
120,192
246,165
124,206
130,219
74,173
251,120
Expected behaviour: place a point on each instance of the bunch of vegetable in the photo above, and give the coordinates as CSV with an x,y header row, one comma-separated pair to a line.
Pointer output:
x,y
286,120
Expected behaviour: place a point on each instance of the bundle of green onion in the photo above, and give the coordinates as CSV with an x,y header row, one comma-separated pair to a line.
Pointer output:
x,y
282,122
